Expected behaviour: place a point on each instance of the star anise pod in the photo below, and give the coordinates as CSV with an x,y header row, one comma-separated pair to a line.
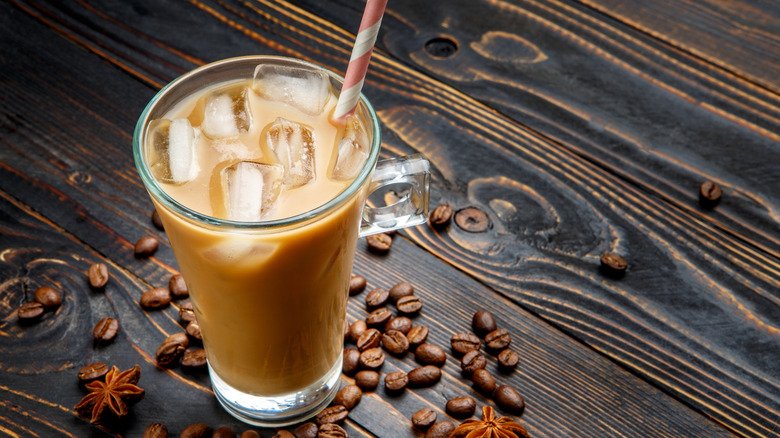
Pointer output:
x,y
111,397
490,427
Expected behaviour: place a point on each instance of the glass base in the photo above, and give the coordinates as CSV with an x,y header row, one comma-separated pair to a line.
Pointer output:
x,y
281,410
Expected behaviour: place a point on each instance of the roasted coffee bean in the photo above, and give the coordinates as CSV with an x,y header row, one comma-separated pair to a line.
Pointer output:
x,y
348,396
356,329
461,407
462,343
509,400
351,361
49,297
372,359
193,330
28,312
186,312
400,323
498,339
442,429
194,359
483,381
156,430
145,246
224,432
377,297
613,265
356,284
369,339
156,220
483,323
254,434
283,434
306,430
156,298
709,194
472,361
395,342
429,354
423,419
98,275
199,430
379,317
424,376
106,329
367,380
331,430
178,287
508,359
93,371
400,290
169,353
409,304
333,414
179,338
440,216
417,335
379,243
396,381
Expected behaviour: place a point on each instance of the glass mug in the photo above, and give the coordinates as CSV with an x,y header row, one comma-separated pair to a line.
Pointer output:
x,y
270,296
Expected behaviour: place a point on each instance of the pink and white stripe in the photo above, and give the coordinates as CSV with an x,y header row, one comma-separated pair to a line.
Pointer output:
x,y
358,62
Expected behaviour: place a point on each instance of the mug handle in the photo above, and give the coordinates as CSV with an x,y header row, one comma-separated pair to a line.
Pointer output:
x,y
410,178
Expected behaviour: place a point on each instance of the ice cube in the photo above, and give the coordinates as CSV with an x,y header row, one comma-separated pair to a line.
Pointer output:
x,y
352,150
250,189
172,156
304,89
226,113
238,253
293,145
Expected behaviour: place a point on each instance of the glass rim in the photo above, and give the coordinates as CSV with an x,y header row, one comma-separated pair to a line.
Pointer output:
x,y
159,194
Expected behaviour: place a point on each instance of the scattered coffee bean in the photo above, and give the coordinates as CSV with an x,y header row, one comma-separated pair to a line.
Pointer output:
x,y
199,430
193,329
253,434
462,343
224,432
351,361
508,359
186,312
613,264
372,359
440,216
92,372
356,329
156,220
400,323
178,287
367,380
49,297
194,359
498,339
400,290
169,353
709,194
369,339
356,284
509,400
441,429
417,335
348,396
332,414
156,430
98,275
379,317
429,354
283,434
29,312
331,430
379,243
156,298
146,246
306,430
106,329
424,376
179,338
472,361
395,342
461,407
483,323
377,297
483,381
423,419
409,305
396,381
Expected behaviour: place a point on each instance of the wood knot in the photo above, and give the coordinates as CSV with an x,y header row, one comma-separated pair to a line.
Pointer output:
x,y
473,220
441,47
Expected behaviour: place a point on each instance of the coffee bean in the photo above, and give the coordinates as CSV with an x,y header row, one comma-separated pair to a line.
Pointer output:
x,y
179,338
333,414
472,361
253,434
440,216
156,430
106,329
186,312
145,246
379,317
461,407
348,396
377,297
369,339
92,372
49,297
372,359
224,432
400,323
283,434
178,287
423,419
429,354
169,353
306,430
156,220
709,194
356,329
613,265
442,429
424,376
509,400
483,323
409,304
367,380
356,284
29,312
396,381
498,339
483,381
472,220
395,342
156,298
379,243
193,330
351,362
194,359
462,343
199,430
400,290
98,275
508,359
331,430
417,335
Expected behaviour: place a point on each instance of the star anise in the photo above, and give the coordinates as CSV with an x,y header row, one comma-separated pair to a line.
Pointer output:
x,y
112,397
490,427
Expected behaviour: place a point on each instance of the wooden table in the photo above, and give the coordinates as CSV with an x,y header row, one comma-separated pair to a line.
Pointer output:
x,y
577,127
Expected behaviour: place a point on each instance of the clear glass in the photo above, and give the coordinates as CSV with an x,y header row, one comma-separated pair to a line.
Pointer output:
x,y
270,296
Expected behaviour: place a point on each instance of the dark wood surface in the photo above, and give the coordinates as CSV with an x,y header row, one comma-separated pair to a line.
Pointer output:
x,y
578,127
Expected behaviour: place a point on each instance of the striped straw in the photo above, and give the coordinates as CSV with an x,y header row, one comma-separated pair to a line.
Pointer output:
x,y
358,62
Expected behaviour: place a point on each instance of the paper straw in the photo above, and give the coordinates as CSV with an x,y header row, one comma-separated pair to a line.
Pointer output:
x,y
358,62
